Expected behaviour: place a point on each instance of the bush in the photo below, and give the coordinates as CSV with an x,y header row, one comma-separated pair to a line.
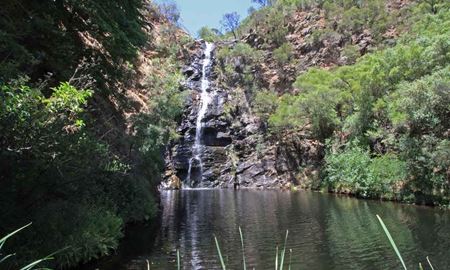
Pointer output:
x,y
265,104
208,34
352,170
422,106
237,64
419,113
57,175
316,105
276,30
350,53
283,54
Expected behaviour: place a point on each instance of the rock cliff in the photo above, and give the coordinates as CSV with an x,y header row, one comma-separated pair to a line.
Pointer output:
x,y
235,147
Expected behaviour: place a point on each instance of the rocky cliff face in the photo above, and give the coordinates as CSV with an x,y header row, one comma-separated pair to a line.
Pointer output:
x,y
234,147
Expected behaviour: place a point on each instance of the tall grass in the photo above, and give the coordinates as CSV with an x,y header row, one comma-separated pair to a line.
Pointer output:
x,y
281,255
29,266
394,246
243,250
222,263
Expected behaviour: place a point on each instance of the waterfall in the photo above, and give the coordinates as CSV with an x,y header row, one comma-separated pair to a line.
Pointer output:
x,y
205,100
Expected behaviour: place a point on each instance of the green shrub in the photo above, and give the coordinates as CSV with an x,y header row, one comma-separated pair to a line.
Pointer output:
x,y
353,170
237,64
265,104
283,54
351,53
422,106
276,29
56,174
208,34
288,115
316,105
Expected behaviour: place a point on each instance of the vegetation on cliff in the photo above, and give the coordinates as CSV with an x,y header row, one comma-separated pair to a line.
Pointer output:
x,y
368,78
89,97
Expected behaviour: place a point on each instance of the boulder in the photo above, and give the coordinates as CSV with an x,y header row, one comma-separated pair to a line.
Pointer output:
x,y
173,182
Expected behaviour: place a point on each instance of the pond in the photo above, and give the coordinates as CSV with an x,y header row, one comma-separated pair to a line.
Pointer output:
x,y
325,232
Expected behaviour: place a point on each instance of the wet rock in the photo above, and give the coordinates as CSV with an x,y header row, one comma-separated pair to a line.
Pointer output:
x,y
233,144
174,182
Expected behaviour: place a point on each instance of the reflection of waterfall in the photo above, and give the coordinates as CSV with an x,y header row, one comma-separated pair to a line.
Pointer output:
x,y
205,99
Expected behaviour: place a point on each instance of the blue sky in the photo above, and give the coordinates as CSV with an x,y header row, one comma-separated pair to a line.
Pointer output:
x,y
198,13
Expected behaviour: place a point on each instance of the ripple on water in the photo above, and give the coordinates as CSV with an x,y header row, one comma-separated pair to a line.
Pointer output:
x,y
325,231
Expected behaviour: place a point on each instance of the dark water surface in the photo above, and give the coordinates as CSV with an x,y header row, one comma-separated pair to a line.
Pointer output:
x,y
325,232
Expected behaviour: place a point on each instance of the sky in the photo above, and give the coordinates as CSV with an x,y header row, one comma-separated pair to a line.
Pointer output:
x,y
198,13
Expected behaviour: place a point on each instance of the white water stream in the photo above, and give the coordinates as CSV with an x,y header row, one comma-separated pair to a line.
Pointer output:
x,y
205,100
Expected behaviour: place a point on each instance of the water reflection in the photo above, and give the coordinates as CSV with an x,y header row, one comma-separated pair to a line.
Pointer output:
x,y
325,231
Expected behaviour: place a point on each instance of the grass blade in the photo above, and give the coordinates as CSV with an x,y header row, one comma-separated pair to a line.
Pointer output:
x,y
243,251
391,240
283,253
3,240
429,263
6,257
290,258
33,264
220,254
178,259
276,259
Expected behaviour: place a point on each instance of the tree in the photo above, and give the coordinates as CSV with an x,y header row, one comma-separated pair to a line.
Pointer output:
x,y
54,37
432,4
170,11
263,3
230,22
209,34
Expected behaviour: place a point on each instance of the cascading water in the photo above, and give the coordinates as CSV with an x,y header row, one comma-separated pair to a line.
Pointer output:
x,y
205,100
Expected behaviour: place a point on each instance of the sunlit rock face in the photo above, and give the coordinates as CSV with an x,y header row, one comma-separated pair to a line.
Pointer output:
x,y
222,143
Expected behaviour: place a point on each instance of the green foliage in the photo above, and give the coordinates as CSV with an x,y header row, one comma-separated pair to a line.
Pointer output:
x,y
316,105
265,104
301,4
394,101
276,29
155,128
77,186
419,112
353,170
351,53
287,116
421,107
283,55
237,64
208,34
56,174
243,50
53,37
29,266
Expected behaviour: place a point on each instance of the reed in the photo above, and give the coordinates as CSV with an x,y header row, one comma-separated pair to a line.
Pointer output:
x,y
178,259
394,246
279,255
220,254
243,251
29,266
